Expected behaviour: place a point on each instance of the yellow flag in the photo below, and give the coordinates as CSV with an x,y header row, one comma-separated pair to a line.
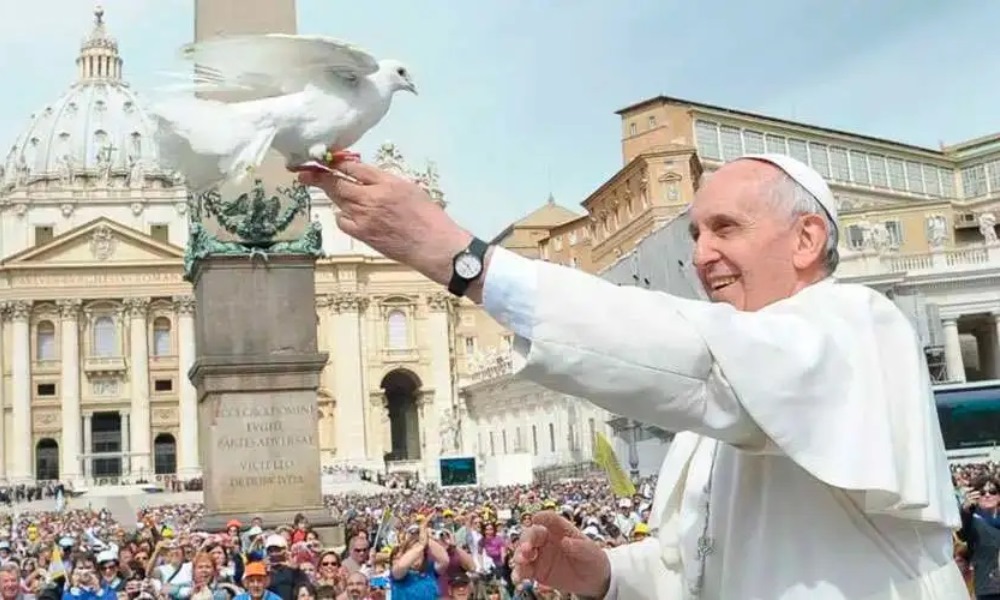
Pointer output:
x,y
604,456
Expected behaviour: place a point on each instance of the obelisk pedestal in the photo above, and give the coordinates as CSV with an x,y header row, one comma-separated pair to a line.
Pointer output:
x,y
256,372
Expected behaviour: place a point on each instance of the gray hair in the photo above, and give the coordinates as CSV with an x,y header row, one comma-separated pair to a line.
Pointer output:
x,y
789,196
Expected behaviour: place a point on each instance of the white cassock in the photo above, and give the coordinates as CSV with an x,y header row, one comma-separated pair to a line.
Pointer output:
x,y
811,463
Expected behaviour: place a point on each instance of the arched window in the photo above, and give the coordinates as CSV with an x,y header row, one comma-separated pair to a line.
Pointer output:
x,y
45,341
165,454
161,336
105,337
398,336
47,460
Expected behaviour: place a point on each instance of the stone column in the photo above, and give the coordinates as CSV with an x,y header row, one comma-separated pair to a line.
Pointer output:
x,y
348,378
996,339
127,464
21,469
953,351
88,446
72,442
139,436
437,409
190,463
4,431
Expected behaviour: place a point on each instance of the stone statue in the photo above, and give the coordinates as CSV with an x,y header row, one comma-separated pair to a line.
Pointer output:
x,y
136,177
105,156
864,226
22,171
988,227
67,171
429,179
644,188
880,239
389,158
448,432
937,231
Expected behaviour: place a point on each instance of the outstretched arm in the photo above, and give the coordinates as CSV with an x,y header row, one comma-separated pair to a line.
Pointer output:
x,y
628,350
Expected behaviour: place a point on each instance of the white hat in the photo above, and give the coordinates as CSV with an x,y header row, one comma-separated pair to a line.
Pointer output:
x,y
107,556
276,541
805,176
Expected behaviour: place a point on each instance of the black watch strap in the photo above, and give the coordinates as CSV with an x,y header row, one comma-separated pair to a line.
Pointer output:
x,y
458,284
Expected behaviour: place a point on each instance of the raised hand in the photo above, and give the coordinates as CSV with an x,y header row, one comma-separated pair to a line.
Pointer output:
x,y
555,553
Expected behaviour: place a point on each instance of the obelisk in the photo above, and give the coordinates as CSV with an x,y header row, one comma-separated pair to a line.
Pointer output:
x,y
257,364
216,18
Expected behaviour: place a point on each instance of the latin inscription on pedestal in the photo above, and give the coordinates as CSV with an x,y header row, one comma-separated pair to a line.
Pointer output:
x,y
265,447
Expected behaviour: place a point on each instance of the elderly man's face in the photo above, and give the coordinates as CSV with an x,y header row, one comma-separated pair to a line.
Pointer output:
x,y
746,253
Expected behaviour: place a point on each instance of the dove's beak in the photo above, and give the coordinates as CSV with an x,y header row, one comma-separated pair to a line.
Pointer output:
x,y
411,88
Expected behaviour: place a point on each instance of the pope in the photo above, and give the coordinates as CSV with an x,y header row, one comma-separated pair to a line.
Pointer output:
x,y
809,463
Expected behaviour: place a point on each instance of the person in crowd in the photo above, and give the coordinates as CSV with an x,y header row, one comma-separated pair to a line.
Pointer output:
x,y
85,584
799,400
356,587
980,533
110,572
284,578
459,561
416,564
256,583
328,570
358,550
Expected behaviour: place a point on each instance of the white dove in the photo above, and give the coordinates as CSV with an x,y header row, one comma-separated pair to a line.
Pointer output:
x,y
308,97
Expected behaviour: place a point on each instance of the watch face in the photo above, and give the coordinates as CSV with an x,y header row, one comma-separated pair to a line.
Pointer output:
x,y
468,266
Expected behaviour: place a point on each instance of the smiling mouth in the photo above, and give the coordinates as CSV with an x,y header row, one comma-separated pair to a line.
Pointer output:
x,y
723,282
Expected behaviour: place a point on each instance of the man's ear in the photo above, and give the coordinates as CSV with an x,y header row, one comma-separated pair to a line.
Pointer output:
x,y
811,241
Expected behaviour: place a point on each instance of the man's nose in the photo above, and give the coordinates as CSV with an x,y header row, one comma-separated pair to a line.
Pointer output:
x,y
705,251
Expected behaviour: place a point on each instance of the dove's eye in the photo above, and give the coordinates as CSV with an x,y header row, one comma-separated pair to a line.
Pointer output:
x,y
401,72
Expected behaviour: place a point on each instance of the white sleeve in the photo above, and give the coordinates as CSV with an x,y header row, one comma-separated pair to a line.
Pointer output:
x,y
509,291
625,349
636,570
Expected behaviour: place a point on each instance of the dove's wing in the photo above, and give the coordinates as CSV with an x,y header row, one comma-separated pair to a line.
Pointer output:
x,y
261,66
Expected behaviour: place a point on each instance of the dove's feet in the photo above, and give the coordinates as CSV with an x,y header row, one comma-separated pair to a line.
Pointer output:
x,y
339,156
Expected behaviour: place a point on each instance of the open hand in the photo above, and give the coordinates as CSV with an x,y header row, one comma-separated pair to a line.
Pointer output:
x,y
555,553
393,215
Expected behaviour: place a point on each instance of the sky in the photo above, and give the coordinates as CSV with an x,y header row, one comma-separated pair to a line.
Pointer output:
x,y
517,97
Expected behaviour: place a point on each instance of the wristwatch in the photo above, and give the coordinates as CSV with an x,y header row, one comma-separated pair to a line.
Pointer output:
x,y
467,266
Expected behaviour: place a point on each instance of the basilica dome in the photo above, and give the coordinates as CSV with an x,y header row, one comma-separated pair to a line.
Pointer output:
x,y
97,132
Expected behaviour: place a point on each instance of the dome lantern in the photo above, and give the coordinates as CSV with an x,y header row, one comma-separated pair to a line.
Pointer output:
x,y
99,59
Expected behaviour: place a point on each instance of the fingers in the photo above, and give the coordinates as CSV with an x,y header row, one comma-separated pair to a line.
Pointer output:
x,y
365,174
555,523
346,224
527,551
336,187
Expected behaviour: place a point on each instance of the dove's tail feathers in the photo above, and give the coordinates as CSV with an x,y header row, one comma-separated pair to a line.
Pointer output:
x,y
204,139
250,155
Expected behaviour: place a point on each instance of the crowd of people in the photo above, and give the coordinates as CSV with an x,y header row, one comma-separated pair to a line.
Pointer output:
x,y
408,543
